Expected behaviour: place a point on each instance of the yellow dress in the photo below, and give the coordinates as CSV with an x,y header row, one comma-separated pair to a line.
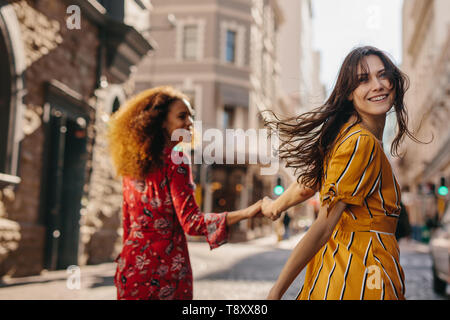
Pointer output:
x,y
361,259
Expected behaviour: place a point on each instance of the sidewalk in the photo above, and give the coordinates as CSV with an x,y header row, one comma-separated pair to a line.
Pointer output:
x,y
96,283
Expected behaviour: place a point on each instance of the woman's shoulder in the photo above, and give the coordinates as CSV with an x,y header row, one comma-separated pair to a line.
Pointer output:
x,y
357,138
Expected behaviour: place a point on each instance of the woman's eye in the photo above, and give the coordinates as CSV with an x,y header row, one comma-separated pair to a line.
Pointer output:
x,y
362,79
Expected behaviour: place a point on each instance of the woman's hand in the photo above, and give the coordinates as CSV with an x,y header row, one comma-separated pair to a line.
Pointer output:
x,y
267,209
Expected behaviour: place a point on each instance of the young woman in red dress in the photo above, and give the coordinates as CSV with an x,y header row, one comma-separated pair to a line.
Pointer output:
x,y
158,199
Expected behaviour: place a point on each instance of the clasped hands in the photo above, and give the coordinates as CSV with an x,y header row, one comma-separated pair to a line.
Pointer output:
x,y
264,207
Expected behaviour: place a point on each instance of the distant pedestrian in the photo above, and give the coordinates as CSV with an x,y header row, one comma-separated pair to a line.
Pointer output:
x,y
340,145
158,198
286,223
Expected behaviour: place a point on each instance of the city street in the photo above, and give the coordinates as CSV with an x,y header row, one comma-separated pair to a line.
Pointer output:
x,y
236,271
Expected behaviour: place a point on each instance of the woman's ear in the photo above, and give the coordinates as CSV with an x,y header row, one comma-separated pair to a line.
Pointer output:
x,y
350,97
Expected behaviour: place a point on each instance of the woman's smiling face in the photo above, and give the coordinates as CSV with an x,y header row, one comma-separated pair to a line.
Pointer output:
x,y
375,95
179,117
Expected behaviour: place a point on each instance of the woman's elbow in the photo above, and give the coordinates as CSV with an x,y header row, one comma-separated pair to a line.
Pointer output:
x,y
307,192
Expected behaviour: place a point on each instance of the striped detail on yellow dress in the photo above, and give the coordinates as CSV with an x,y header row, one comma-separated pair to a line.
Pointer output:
x,y
361,259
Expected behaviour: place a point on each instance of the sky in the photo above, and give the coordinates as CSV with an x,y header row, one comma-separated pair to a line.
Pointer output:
x,y
340,25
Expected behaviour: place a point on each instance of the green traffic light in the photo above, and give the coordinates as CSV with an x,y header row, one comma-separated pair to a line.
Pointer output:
x,y
278,190
443,191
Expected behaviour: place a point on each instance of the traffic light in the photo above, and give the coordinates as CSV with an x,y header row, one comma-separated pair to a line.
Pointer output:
x,y
278,189
443,190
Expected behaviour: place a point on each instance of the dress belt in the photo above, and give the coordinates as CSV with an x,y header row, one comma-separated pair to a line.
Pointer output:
x,y
378,224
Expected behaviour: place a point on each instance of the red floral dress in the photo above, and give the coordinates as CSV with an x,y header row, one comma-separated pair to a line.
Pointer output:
x,y
157,212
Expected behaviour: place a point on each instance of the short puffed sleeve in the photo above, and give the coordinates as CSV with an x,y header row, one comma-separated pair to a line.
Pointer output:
x,y
353,171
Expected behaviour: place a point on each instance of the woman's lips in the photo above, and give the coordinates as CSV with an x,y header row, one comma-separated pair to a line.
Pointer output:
x,y
379,98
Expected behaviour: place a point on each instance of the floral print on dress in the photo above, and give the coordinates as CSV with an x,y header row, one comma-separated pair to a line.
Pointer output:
x,y
157,212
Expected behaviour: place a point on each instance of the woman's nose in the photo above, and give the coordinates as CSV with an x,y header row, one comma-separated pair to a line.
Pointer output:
x,y
377,84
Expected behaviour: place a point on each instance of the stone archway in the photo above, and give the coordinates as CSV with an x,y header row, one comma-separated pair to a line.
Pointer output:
x,y
12,64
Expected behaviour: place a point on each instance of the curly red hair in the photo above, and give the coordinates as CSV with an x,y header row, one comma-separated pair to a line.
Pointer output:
x,y
136,136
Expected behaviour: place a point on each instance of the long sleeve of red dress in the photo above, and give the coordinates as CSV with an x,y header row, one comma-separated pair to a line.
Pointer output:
x,y
194,222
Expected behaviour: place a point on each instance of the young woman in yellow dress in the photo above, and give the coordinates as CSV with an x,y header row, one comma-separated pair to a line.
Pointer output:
x,y
350,250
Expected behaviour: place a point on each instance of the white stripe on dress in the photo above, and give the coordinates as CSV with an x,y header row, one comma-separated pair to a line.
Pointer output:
x,y
392,285
367,251
364,173
374,185
381,242
331,272
348,163
363,285
318,272
351,241
353,215
345,276
348,137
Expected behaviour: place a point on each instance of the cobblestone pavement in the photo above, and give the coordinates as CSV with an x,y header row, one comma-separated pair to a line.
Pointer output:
x,y
236,271
248,270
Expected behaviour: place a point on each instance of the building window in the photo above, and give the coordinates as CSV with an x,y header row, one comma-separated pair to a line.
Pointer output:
x,y
190,39
116,105
228,117
232,43
230,54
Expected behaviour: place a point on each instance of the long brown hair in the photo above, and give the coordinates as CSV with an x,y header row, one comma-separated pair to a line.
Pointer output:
x,y
306,140
136,136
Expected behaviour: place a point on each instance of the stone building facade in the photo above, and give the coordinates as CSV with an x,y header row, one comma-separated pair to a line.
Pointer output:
x,y
69,65
426,60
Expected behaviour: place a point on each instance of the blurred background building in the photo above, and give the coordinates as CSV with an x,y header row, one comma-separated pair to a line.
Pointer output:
x,y
426,60
66,66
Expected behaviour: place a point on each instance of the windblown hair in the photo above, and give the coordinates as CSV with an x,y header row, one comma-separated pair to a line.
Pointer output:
x,y
136,136
306,140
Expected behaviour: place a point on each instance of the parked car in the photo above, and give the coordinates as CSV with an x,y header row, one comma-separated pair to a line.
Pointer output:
x,y
440,254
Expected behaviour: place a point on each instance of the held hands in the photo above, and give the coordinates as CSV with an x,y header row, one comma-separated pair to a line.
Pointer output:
x,y
261,208
268,209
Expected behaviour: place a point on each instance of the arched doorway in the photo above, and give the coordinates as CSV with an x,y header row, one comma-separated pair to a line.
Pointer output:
x,y
5,97
12,66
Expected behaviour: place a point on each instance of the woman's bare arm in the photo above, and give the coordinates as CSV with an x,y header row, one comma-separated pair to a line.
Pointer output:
x,y
314,239
294,194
